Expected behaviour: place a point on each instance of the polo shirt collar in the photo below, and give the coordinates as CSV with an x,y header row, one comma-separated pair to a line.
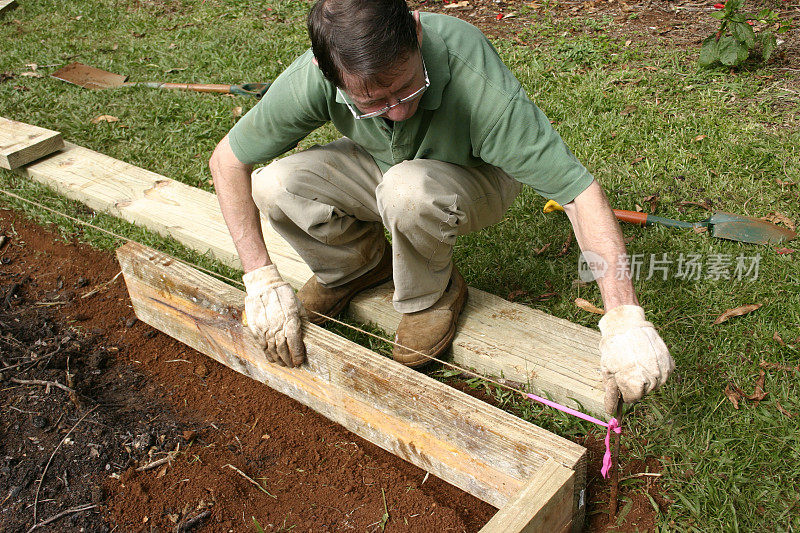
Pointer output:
x,y
434,51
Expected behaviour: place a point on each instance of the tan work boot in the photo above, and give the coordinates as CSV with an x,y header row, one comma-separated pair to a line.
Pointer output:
x,y
431,330
330,301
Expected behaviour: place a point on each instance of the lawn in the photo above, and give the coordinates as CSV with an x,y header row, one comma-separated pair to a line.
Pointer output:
x,y
655,130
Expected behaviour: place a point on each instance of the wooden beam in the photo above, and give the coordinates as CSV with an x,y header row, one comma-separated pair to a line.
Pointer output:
x,y
544,505
22,143
6,5
555,357
481,449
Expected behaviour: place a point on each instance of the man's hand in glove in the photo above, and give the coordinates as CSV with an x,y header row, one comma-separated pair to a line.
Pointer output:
x,y
273,316
633,358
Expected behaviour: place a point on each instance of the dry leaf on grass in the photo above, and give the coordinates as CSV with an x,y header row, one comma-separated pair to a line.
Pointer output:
x,y
759,393
777,338
588,306
237,111
779,218
736,311
734,394
565,246
653,201
786,183
514,295
542,250
784,251
104,118
778,366
782,410
700,138
463,3
32,74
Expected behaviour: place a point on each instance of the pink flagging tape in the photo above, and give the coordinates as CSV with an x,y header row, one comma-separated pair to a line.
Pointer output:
x,y
611,425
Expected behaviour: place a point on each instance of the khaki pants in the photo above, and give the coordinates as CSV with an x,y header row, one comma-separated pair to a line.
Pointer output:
x,y
332,202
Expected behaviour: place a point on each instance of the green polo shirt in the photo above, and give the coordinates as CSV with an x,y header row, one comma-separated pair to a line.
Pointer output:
x,y
475,111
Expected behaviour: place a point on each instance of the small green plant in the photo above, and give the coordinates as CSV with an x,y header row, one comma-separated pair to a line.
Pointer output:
x,y
736,39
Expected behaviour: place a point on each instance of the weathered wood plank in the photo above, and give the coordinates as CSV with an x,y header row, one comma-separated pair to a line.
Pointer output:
x,y
554,356
468,443
6,5
22,143
544,505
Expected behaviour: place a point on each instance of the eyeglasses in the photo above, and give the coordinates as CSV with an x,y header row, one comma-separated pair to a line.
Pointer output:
x,y
372,114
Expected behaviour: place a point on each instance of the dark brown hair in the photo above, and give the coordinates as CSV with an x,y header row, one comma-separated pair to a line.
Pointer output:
x,y
362,38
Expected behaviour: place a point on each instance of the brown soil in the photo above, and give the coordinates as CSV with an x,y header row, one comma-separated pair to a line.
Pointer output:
x,y
144,395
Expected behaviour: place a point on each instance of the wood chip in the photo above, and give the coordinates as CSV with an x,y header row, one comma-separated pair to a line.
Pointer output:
x,y
588,306
736,311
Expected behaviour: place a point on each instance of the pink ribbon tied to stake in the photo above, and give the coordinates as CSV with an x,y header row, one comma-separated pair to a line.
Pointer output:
x,y
611,425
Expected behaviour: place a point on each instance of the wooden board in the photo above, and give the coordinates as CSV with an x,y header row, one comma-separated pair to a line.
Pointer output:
x,y
544,505
496,337
481,449
7,5
22,143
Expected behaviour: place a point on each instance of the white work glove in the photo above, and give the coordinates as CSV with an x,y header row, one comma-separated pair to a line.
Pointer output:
x,y
273,316
633,358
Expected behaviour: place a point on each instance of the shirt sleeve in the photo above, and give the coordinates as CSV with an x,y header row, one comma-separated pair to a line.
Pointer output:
x,y
294,106
526,146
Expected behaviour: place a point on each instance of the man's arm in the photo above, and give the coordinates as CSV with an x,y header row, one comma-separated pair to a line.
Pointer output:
x,y
272,309
597,230
633,358
234,192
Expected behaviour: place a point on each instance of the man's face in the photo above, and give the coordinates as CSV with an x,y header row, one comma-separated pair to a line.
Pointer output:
x,y
405,79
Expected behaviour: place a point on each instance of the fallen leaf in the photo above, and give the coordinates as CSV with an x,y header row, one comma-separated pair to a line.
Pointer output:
x,y
565,246
782,410
588,306
734,394
637,160
464,3
628,240
628,110
104,118
786,183
543,249
784,251
174,70
777,218
628,43
701,229
237,111
778,366
759,393
653,201
547,295
138,35
736,311
172,46
32,66
32,74
514,295
777,338
638,208
700,138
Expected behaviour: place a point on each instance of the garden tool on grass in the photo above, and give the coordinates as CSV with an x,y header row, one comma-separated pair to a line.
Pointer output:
x,y
95,78
721,225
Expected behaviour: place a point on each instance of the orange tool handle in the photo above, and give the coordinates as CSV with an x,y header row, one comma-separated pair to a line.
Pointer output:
x,y
632,217
199,87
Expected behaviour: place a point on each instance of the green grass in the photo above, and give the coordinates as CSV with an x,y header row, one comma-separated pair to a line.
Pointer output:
x,y
631,113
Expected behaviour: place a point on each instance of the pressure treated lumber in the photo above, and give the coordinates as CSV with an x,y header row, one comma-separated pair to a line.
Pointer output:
x,y
481,449
6,5
553,356
22,143
544,505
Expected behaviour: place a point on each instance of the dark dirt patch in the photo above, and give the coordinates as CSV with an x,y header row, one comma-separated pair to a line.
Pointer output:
x,y
152,398
654,23
150,395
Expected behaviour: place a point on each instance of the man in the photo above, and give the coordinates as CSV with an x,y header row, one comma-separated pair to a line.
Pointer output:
x,y
438,138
